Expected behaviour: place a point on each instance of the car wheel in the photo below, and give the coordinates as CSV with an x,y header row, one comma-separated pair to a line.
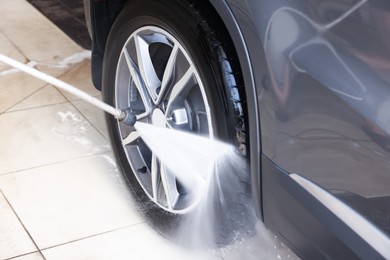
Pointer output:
x,y
173,63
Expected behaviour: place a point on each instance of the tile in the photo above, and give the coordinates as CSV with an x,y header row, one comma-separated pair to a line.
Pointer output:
x,y
137,242
94,115
34,256
46,135
72,200
7,48
45,96
15,86
80,77
33,34
14,240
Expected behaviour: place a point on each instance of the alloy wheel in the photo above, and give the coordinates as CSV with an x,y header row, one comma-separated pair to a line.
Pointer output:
x,y
157,78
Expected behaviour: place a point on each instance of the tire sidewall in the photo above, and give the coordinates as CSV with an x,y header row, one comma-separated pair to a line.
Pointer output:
x,y
182,25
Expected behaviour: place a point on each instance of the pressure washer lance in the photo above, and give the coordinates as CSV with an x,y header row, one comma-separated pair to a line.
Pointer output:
x,y
126,116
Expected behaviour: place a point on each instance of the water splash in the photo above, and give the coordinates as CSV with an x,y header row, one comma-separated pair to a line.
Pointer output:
x,y
224,212
224,216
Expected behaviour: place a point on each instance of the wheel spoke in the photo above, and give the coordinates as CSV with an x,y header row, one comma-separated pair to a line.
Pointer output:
x,y
170,188
146,67
155,176
168,72
134,72
181,85
132,137
176,114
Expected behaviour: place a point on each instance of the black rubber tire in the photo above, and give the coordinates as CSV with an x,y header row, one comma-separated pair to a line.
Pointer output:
x,y
210,48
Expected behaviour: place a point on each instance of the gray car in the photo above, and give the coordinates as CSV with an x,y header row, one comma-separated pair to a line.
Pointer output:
x,y
300,88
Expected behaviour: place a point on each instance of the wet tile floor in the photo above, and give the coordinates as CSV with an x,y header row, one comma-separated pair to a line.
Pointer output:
x,y
61,194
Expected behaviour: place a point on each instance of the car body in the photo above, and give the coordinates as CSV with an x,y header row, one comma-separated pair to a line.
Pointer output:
x,y
318,96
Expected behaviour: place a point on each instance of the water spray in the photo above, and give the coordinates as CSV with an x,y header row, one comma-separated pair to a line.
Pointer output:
x,y
126,116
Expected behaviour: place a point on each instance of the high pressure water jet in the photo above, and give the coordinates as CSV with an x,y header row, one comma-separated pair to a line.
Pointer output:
x,y
126,116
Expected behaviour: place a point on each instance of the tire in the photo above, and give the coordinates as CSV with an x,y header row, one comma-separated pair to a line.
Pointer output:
x,y
211,103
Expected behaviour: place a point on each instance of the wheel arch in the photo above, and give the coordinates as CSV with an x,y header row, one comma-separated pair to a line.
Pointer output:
x,y
233,28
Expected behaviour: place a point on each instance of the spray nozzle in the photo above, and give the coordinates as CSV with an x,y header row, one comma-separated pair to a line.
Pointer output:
x,y
128,117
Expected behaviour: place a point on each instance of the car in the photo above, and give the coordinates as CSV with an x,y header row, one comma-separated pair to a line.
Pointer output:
x,y
300,88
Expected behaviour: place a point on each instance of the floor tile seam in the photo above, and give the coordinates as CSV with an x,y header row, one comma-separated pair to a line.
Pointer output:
x,y
92,236
21,222
46,85
89,121
40,66
14,257
80,99
70,100
43,86
7,110
47,21
84,116
14,45
48,65
54,163
67,68
35,107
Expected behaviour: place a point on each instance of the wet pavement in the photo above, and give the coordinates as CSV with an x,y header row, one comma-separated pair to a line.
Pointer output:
x,y
61,194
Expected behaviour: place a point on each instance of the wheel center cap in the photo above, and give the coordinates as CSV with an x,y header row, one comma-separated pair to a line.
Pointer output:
x,y
158,118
